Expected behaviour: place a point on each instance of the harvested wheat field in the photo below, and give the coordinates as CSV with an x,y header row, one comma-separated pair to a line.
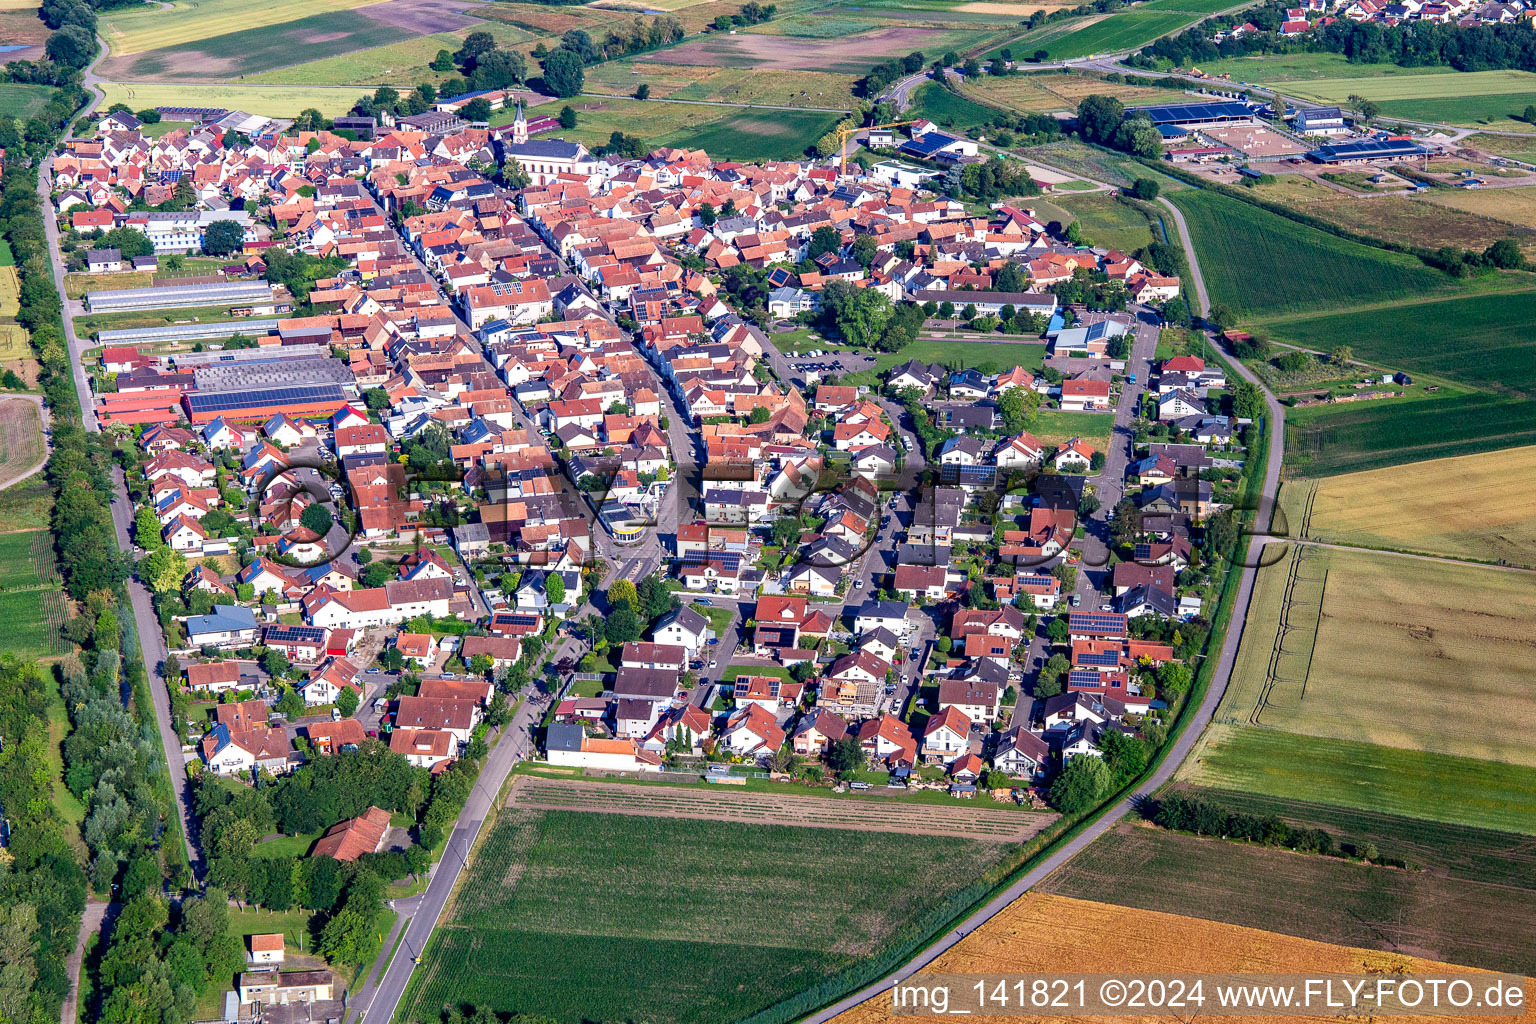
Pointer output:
x,y
977,821
1042,934
1481,508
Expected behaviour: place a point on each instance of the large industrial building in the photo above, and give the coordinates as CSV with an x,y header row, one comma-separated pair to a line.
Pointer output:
x,y
260,404
255,296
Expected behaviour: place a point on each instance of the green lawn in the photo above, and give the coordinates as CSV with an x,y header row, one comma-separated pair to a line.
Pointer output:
x,y
719,617
1055,427
1487,341
286,846
1308,67
732,672
294,924
1324,440
1257,262
588,917
1415,784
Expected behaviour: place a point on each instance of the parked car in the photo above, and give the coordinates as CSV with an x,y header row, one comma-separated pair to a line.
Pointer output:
x,y
717,769
335,714
858,785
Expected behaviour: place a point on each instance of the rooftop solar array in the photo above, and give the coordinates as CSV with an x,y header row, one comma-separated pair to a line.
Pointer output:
x,y
235,401
728,559
1106,658
295,634
1366,149
1095,622
1084,677
1193,112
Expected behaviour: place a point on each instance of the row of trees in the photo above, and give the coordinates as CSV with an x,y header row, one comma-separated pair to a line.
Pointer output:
x,y
1411,44
42,893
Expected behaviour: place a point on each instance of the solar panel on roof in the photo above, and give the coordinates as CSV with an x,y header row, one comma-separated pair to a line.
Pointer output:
x,y
232,400
1192,112
1095,622
1110,658
1083,677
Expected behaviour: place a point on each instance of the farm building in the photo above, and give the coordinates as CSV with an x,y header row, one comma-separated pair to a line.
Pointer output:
x,y
1321,121
251,294
1365,151
1222,112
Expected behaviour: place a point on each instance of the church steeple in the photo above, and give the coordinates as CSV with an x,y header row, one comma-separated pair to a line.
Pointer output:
x,y
520,126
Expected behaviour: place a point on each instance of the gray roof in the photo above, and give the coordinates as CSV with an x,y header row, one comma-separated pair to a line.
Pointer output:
x,y
563,736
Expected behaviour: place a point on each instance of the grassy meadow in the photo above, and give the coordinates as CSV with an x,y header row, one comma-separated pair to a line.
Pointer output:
x,y
582,916
1128,30
1484,340
1113,221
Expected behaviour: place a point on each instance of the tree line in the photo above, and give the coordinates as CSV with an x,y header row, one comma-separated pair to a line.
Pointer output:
x,y
1412,44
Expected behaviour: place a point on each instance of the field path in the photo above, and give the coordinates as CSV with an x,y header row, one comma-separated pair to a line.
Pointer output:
x,y
975,821
1189,734
1447,560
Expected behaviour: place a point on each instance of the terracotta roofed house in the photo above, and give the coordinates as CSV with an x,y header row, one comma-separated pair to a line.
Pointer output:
x,y
350,839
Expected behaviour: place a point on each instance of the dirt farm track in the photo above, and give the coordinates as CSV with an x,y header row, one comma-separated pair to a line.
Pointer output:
x,y
975,821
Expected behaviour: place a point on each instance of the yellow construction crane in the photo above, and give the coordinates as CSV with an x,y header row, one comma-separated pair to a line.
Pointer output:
x,y
844,134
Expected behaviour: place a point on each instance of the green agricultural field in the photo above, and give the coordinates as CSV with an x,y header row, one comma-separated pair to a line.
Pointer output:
x,y
1191,6
1118,32
1460,97
1326,439
1310,67
32,602
252,50
1110,221
723,85
1458,851
729,132
136,29
21,101
586,916
1486,341
271,100
1100,164
1259,263
400,63
1308,895
1412,783
755,134
943,107
1379,649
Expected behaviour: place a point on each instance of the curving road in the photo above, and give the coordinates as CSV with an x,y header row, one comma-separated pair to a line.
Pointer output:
x,y
1186,739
